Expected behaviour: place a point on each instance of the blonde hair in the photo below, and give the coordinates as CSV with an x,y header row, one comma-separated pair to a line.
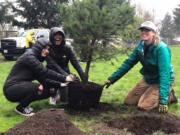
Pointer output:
x,y
157,39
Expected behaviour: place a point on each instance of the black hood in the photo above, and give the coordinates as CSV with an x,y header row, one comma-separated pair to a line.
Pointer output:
x,y
53,32
39,46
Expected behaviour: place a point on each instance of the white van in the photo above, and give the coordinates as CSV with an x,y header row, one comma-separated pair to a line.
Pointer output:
x,y
15,46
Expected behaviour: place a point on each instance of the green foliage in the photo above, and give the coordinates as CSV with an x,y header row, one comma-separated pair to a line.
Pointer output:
x,y
95,20
176,14
92,24
130,34
5,18
37,13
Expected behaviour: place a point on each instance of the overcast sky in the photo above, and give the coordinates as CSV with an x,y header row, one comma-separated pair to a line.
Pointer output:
x,y
160,7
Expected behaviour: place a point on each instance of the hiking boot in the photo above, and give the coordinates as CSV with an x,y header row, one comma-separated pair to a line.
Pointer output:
x,y
30,108
25,111
174,98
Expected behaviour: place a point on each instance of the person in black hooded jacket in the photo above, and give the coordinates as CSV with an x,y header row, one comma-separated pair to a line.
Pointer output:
x,y
19,86
58,60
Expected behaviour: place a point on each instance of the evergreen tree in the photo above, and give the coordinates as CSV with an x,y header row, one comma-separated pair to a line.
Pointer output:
x,y
176,14
167,29
130,34
37,13
5,18
93,23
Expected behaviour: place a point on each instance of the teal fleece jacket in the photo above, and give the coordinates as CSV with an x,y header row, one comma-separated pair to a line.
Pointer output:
x,y
157,68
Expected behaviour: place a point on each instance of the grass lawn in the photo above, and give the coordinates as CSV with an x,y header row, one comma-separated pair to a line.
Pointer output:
x,y
99,72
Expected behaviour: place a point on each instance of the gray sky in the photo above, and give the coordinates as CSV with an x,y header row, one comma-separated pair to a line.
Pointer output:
x,y
160,7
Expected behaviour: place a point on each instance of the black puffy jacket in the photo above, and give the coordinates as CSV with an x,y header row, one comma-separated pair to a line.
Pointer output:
x,y
60,55
28,67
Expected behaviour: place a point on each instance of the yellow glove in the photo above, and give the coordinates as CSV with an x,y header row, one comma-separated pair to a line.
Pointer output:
x,y
163,108
107,83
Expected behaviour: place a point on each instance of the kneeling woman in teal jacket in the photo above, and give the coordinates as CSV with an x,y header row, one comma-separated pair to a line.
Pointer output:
x,y
155,87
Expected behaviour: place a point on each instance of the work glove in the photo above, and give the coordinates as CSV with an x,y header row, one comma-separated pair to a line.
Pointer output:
x,y
107,83
163,108
70,78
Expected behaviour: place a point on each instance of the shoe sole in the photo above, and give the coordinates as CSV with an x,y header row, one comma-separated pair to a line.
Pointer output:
x,y
27,115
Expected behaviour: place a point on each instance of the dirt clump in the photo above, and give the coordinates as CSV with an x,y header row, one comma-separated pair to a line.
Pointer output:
x,y
147,123
84,96
45,122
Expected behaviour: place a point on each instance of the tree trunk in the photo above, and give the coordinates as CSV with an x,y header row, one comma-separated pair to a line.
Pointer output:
x,y
88,63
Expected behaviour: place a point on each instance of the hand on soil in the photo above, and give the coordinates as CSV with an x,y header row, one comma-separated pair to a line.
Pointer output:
x,y
107,83
76,77
70,78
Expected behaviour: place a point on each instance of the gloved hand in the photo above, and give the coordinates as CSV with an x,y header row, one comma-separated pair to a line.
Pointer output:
x,y
163,108
70,78
107,83
63,84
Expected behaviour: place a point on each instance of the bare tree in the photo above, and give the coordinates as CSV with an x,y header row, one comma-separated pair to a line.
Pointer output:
x,y
144,14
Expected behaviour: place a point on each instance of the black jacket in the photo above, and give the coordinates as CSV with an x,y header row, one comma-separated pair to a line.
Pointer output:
x,y
60,55
28,67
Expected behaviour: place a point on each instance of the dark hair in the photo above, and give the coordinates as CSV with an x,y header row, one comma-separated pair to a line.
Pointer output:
x,y
60,33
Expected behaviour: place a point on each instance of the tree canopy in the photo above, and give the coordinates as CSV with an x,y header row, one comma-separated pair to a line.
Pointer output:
x,y
130,34
176,14
37,13
167,29
92,24
5,18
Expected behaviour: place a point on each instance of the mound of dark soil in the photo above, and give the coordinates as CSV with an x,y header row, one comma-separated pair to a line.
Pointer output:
x,y
142,124
84,96
45,122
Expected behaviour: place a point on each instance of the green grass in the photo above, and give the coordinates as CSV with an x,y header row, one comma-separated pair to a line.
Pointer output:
x,y
99,72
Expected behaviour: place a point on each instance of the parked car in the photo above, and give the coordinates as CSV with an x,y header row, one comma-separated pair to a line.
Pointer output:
x,y
15,46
